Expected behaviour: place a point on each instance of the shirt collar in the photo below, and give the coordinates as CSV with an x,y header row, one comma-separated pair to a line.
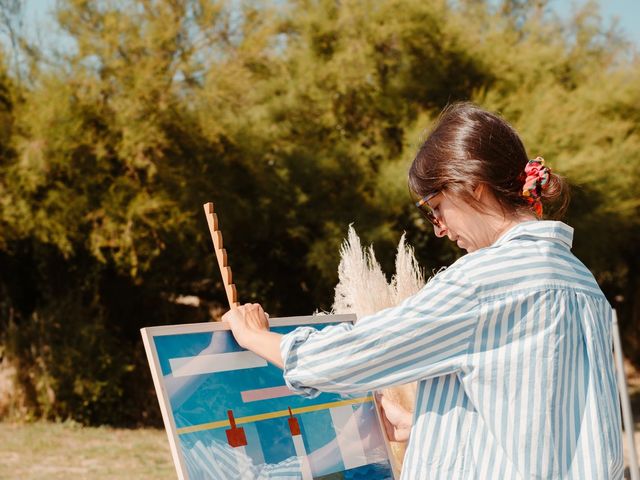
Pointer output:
x,y
539,229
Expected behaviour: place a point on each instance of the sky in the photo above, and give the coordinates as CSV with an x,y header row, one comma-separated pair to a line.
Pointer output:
x,y
626,11
38,22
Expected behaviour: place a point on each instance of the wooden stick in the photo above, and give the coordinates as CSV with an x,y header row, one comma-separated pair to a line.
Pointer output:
x,y
221,255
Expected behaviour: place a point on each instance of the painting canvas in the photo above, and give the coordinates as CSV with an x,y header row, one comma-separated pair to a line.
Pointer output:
x,y
229,414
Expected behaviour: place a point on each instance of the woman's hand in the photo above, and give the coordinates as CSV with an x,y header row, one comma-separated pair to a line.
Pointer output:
x,y
397,421
250,327
245,321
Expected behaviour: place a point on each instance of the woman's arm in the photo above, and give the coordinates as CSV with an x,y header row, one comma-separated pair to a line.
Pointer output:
x,y
250,328
425,336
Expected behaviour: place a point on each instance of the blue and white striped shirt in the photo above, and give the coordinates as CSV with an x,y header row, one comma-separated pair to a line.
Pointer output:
x,y
511,347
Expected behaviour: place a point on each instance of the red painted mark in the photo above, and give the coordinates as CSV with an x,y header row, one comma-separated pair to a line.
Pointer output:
x,y
235,435
293,424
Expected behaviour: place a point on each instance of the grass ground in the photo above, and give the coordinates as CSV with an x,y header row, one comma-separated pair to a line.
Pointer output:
x,y
67,451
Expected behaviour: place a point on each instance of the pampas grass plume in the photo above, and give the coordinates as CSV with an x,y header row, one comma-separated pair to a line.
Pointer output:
x,y
362,287
409,278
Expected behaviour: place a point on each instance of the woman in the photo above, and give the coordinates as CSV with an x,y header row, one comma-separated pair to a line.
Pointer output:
x,y
511,345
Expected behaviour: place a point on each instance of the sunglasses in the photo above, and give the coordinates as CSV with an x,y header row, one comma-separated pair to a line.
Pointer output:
x,y
427,211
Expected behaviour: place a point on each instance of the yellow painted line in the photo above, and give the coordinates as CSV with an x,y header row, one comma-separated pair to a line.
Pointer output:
x,y
267,416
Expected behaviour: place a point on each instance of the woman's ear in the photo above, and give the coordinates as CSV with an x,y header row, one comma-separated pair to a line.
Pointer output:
x,y
483,194
479,191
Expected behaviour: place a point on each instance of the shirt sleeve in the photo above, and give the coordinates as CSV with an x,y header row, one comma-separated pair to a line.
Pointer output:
x,y
425,336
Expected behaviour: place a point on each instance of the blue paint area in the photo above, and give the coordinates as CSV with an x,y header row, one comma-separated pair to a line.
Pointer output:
x,y
320,434
276,441
207,437
191,344
377,471
205,398
254,446
320,428
374,471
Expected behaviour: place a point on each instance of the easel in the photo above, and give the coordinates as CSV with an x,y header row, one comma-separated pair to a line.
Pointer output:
x,y
625,403
221,255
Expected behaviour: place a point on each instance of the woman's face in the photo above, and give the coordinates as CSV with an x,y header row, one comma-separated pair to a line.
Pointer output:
x,y
468,227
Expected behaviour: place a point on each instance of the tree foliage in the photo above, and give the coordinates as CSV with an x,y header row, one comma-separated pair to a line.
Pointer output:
x,y
295,118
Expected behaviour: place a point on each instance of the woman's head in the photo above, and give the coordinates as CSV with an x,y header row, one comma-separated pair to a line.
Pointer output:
x,y
476,162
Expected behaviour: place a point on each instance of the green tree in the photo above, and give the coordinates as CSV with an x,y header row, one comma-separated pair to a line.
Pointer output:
x,y
296,119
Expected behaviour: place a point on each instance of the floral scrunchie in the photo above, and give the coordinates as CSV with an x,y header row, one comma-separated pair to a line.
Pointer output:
x,y
537,180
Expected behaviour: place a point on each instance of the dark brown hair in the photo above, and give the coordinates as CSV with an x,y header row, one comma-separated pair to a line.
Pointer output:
x,y
469,146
